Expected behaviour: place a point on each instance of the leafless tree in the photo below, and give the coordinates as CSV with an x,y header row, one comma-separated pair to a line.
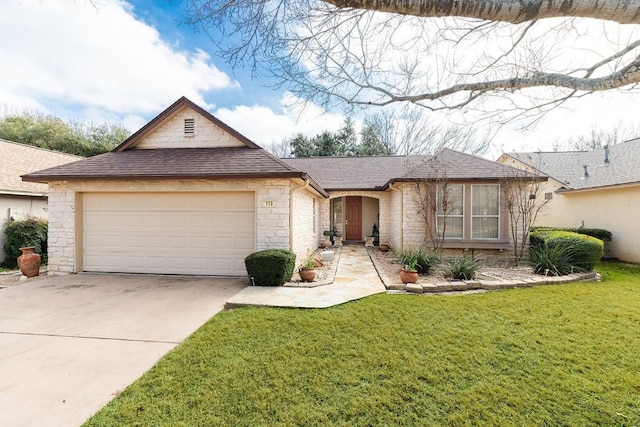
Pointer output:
x,y
524,199
409,131
599,137
433,198
524,57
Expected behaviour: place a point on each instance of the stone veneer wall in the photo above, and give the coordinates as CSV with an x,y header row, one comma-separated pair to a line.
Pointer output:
x,y
306,224
171,134
272,219
396,213
413,228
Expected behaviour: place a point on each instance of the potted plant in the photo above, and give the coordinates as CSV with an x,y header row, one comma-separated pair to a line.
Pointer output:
x,y
327,242
337,236
409,272
308,271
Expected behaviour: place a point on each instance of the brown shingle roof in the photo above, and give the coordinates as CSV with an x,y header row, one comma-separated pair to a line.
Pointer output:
x,y
377,172
19,159
170,163
175,163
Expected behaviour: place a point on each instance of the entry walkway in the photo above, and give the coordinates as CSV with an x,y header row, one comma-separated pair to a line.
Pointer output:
x,y
355,278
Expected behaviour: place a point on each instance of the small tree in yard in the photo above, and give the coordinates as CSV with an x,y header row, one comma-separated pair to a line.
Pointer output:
x,y
523,198
434,198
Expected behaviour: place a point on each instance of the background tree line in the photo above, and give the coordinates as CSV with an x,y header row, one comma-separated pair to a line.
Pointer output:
x,y
72,137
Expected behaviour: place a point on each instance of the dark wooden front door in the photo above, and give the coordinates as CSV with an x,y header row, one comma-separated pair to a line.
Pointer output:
x,y
353,218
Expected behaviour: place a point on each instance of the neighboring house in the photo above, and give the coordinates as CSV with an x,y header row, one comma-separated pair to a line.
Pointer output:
x,y
593,189
19,199
187,194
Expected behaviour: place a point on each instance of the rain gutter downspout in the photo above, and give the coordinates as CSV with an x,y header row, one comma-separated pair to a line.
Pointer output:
x,y
391,187
300,187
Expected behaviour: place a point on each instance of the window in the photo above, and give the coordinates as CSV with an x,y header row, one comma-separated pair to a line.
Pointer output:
x,y
450,212
548,196
189,127
485,211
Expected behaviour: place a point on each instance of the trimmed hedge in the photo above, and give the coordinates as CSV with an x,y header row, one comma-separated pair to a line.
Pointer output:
x,y
598,233
26,232
579,250
271,267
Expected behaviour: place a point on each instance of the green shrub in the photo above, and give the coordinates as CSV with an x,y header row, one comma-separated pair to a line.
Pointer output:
x,y
271,267
461,268
551,260
422,258
579,250
26,232
598,233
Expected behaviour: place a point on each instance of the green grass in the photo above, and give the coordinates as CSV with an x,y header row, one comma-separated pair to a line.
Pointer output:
x,y
565,355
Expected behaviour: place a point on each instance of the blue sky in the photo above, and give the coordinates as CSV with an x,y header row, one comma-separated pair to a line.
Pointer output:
x,y
125,61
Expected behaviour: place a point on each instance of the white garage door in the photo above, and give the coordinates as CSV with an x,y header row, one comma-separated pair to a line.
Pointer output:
x,y
168,233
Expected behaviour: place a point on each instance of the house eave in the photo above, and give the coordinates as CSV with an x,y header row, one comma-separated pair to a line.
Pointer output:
x,y
565,190
146,177
22,193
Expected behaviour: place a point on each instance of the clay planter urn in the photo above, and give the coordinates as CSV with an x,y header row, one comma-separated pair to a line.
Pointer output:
x,y
408,276
29,262
384,247
307,274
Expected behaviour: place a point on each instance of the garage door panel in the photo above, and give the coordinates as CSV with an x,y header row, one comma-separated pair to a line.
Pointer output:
x,y
171,233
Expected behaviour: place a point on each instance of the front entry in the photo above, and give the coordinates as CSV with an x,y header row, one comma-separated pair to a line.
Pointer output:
x,y
353,218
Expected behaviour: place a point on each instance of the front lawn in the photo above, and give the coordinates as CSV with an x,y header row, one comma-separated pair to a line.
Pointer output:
x,y
553,355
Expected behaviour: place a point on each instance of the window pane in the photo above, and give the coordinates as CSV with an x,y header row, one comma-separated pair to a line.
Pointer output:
x,y
451,200
485,200
453,227
484,228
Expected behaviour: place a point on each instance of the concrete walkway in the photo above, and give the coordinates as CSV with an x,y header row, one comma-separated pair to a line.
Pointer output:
x,y
355,278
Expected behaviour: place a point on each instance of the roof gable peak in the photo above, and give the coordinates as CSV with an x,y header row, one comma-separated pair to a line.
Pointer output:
x,y
185,124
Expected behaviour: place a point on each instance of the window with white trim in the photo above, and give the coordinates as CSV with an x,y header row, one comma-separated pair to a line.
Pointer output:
x,y
450,212
485,211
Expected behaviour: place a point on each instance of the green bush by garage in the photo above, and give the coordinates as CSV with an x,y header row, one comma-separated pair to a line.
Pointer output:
x,y
21,233
271,267
554,252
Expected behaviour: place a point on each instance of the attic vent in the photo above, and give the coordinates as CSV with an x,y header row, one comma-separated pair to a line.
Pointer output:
x,y
189,127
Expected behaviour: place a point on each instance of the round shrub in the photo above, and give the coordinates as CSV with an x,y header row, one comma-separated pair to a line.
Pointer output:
x,y
271,267
26,232
579,251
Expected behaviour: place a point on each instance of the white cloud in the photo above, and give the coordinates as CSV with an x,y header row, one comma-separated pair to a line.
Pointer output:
x,y
264,126
70,58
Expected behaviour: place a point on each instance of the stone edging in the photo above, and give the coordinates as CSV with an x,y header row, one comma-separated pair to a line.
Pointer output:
x,y
469,285
331,274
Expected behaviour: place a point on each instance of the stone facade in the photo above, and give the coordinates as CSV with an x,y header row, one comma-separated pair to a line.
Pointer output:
x,y
170,134
305,226
272,211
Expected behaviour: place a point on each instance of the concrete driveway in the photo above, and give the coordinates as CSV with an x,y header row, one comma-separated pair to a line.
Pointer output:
x,y
69,344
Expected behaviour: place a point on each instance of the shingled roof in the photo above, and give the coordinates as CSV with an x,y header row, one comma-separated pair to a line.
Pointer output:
x,y
175,163
377,172
568,167
19,159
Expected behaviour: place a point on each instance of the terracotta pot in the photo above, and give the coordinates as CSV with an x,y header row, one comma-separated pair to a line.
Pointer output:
x,y
307,274
408,276
29,262
384,247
